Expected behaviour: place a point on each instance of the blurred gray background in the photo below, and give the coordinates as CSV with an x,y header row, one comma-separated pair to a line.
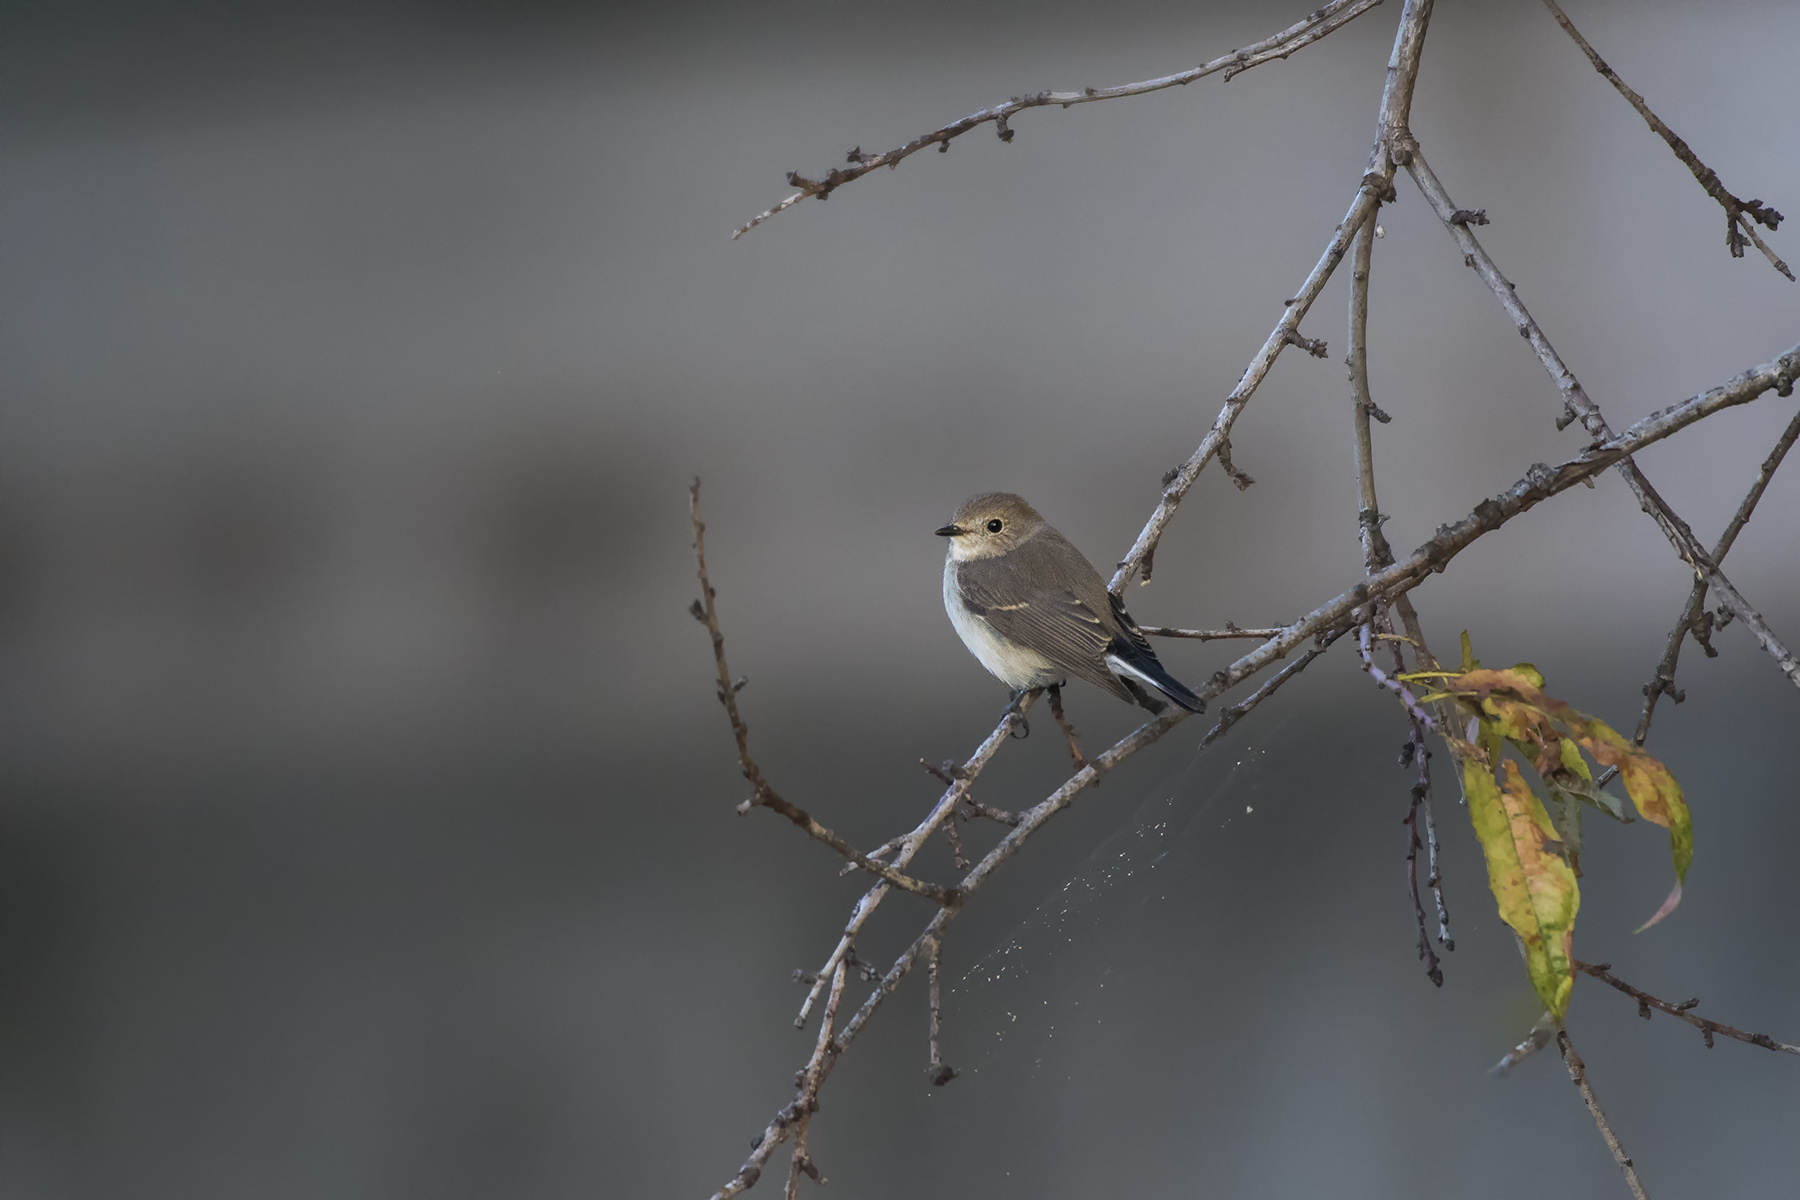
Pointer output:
x,y
366,825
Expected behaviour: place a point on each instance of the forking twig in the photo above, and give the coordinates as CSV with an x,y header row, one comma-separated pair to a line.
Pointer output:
x,y
1694,612
1578,405
1392,146
1741,216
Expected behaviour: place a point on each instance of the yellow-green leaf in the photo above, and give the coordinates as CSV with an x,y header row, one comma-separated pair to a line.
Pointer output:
x,y
1649,784
1572,760
1512,704
1533,887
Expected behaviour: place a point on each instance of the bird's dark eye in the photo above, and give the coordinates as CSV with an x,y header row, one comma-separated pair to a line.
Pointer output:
x,y
996,525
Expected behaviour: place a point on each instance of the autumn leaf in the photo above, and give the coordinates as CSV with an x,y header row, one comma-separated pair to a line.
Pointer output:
x,y
1649,784
1546,731
1533,887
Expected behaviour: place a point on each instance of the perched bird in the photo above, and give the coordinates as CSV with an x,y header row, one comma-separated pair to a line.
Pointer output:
x,y
1034,612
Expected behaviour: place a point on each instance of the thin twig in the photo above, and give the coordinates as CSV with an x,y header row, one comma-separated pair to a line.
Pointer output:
x,y
1578,1073
1377,185
1434,879
811,1077
939,1071
1062,722
1745,224
1177,484
1433,970
944,809
1663,682
1236,712
956,846
1534,1040
1646,1002
1375,549
1377,554
1577,402
1332,16
705,610
1420,717
1737,212
1240,479
1208,635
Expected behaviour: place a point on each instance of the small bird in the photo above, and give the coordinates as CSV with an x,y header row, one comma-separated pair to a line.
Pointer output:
x,y
1033,611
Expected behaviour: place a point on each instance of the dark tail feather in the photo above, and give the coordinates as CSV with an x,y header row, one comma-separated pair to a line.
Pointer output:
x,y
1133,666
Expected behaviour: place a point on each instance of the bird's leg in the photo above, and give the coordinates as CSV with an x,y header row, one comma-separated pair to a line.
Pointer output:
x,y
1056,710
1015,707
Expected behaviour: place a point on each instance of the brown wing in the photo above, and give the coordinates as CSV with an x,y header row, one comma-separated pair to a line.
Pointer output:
x,y
1022,595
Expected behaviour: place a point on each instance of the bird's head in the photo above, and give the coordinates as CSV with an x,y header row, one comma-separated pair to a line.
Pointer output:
x,y
989,525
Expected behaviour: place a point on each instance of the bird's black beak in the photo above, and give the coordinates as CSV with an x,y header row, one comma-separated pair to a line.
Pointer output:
x,y
951,530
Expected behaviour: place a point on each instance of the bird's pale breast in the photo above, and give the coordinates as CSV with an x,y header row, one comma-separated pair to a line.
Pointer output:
x,y
1014,665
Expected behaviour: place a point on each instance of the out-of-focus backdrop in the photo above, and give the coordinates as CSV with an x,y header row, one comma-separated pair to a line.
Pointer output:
x,y
366,822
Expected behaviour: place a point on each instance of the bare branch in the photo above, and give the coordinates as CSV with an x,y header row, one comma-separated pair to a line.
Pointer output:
x,y
794,1117
1236,712
1323,21
1176,486
1737,212
808,1101
1539,484
1576,402
1241,478
1208,635
1663,682
939,1071
1646,1002
1433,970
1534,1040
1434,878
1749,228
1394,140
1420,718
1375,549
1578,1074
1376,555
928,940
1068,730
762,795
1377,185
909,845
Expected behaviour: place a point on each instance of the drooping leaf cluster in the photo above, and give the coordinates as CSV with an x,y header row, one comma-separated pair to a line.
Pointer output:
x,y
1533,846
